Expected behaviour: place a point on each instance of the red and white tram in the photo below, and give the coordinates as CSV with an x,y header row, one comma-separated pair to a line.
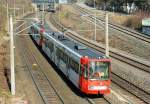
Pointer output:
x,y
86,68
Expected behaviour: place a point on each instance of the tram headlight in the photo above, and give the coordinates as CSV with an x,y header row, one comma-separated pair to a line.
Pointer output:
x,y
91,87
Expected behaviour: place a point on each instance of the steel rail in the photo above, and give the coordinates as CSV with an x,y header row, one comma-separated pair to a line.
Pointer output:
x,y
44,86
50,82
98,101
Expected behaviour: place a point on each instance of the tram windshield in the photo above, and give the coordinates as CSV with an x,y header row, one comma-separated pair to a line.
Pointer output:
x,y
98,70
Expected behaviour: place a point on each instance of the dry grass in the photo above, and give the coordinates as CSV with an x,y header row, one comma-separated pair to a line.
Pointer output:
x,y
130,21
133,22
70,19
119,19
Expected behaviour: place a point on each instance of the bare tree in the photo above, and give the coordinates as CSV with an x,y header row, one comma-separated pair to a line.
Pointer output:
x,y
117,4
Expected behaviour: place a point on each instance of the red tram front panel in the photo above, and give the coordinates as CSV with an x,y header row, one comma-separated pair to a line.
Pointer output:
x,y
95,76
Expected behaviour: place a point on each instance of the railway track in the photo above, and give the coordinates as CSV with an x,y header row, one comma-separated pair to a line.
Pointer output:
x,y
98,101
144,66
44,86
101,20
135,90
140,93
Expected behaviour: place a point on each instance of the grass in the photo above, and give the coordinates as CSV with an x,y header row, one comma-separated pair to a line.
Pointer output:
x,y
130,21
133,22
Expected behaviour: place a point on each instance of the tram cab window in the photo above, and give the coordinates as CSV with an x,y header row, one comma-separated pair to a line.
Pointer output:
x,y
99,70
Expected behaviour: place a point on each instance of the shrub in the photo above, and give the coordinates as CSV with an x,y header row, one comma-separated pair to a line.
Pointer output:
x,y
133,22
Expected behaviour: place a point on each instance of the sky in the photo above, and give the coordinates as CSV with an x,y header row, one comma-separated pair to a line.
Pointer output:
x,y
63,1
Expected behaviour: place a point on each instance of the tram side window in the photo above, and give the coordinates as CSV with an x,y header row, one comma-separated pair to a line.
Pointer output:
x,y
37,36
46,42
74,65
32,29
63,56
35,31
59,53
50,45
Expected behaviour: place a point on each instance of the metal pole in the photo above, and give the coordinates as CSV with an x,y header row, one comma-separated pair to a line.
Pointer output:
x,y
43,14
59,7
7,18
95,22
36,10
106,35
54,4
14,8
95,28
23,10
12,58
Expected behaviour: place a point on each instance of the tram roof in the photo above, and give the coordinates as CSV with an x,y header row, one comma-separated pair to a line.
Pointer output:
x,y
74,45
